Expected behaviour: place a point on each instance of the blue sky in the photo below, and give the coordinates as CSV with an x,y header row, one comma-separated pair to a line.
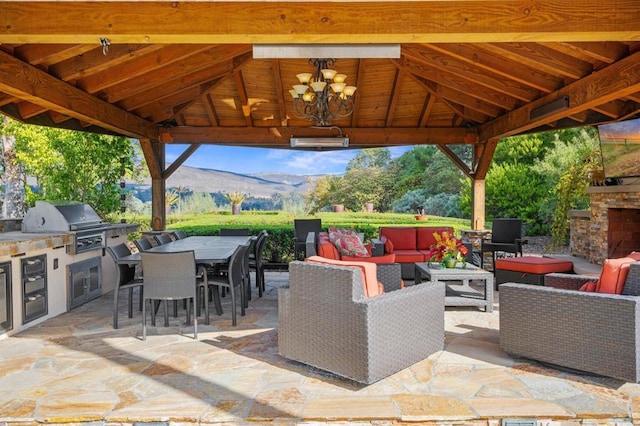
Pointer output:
x,y
259,160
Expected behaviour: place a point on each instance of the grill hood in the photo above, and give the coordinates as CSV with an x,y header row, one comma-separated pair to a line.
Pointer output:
x,y
56,216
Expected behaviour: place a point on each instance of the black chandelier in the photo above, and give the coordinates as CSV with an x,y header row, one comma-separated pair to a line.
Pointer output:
x,y
323,96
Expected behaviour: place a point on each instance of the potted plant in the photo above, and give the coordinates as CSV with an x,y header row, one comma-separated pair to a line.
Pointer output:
x,y
447,251
421,215
236,199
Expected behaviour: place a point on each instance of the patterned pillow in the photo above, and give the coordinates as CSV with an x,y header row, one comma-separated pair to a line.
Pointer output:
x,y
350,245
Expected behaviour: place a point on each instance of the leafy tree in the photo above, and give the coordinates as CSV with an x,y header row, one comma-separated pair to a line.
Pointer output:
x,y
370,158
70,165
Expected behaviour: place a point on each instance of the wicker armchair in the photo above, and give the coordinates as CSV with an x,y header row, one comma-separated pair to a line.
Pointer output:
x,y
327,322
593,332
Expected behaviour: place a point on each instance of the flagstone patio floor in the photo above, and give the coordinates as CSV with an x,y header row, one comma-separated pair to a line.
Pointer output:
x,y
76,368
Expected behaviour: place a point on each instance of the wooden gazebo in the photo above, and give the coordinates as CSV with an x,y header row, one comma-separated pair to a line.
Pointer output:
x,y
468,72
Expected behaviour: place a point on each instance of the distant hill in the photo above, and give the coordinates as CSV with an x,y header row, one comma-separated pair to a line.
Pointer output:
x,y
257,185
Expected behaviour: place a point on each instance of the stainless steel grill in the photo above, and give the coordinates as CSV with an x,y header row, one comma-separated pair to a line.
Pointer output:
x,y
68,216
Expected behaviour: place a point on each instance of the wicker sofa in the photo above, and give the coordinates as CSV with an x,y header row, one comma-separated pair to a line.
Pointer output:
x,y
327,322
587,331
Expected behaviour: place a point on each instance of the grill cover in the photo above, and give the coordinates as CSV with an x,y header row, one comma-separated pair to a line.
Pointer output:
x,y
56,216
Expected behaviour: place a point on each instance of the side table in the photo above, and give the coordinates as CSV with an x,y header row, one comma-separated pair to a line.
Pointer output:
x,y
460,294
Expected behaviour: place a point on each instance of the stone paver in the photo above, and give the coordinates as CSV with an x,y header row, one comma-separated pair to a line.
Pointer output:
x,y
75,368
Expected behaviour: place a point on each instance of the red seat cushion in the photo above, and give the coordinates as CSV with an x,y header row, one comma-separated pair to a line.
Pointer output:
x,y
402,238
534,265
408,256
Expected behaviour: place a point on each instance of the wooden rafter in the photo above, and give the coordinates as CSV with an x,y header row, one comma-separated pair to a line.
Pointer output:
x,y
29,83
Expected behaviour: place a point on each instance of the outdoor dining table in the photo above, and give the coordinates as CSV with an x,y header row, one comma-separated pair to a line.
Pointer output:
x,y
207,250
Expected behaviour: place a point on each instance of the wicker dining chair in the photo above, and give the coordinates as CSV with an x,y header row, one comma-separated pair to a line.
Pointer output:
x,y
233,281
162,239
125,279
256,261
143,244
234,232
171,276
179,235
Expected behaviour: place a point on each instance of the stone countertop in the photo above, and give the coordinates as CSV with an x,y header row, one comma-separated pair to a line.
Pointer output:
x,y
17,242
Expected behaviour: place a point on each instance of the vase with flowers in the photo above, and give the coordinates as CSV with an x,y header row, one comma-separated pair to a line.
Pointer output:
x,y
447,251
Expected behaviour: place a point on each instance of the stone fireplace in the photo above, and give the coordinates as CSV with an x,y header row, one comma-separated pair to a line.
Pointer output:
x,y
611,228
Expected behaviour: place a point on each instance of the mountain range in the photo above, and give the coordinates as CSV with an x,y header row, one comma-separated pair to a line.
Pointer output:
x,y
255,185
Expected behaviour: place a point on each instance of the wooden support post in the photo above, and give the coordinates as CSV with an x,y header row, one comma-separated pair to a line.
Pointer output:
x,y
158,189
477,204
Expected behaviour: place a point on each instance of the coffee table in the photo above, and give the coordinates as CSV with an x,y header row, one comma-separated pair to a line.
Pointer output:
x,y
459,294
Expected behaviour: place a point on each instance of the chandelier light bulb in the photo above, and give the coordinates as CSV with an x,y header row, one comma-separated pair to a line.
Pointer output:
x,y
304,77
293,93
300,88
318,86
328,74
339,78
349,90
338,87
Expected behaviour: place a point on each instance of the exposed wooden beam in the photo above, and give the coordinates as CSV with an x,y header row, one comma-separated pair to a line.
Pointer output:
x,y
180,160
325,22
455,159
617,80
244,98
211,110
46,54
278,137
395,89
426,110
280,93
31,84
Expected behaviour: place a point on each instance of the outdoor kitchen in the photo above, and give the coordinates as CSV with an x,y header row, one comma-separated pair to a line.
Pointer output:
x,y
54,260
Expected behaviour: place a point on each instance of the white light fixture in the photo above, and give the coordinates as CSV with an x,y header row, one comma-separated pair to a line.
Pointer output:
x,y
284,51
322,97
328,142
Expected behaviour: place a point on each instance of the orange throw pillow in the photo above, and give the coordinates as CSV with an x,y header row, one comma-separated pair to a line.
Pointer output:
x,y
368,270
614,274
589,286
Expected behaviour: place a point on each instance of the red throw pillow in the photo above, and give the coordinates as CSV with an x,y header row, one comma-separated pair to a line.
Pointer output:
x,y
388,245
589,286
614,274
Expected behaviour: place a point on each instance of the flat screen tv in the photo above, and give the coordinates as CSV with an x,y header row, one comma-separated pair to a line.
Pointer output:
x,y
620,147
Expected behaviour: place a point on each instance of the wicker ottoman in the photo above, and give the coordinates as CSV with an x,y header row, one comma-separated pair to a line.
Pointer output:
x,y
529,269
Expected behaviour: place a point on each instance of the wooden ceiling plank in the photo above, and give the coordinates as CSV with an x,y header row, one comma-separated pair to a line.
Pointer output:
x,y
95,61
47,54
33,85
611,109
527,76
173,86
279,137
138,66
164,72
538,56
7,99
28,110
458,83
58,118
204,90
433,56
617,80
280,93
463,99
326,22
169,104
607,52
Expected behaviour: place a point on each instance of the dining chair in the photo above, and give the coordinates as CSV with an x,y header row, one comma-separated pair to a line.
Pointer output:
x,y
234,232
162,239
125,279
233,281
143,244
179,235
256,261
301,228
171,276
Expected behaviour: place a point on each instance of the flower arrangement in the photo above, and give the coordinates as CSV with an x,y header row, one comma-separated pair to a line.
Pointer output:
x,y
447,249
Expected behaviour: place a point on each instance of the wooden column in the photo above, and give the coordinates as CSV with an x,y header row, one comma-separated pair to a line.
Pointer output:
x,y
477,204
158,190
